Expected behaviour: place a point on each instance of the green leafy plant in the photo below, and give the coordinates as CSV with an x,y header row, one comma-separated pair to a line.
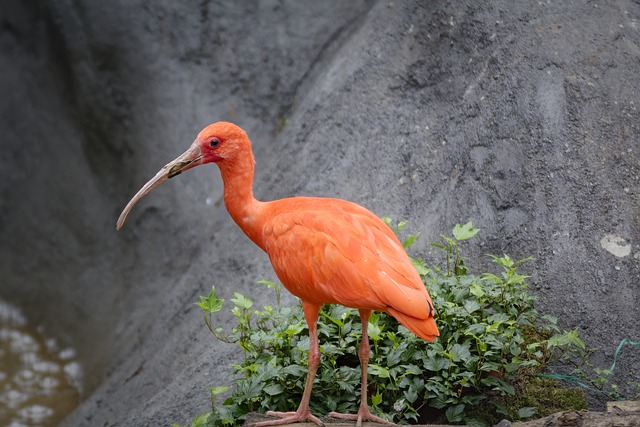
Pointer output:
x,y
492,344
455,262
590,377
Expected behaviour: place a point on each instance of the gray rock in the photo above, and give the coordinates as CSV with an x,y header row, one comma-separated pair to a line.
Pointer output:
x,y
521,117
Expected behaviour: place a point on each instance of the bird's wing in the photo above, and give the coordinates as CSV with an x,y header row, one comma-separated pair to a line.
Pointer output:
x,y
333,251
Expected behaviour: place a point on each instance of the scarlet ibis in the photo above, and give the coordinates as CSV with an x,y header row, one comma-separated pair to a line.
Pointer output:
x,y
323,250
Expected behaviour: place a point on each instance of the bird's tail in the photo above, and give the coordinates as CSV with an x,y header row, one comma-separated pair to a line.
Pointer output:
x,y
424,328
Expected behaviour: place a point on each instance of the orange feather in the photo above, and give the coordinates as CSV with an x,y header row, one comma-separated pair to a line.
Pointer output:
x,y
334,251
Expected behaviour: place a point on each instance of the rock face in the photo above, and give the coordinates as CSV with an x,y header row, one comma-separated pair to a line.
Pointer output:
x,y
521,117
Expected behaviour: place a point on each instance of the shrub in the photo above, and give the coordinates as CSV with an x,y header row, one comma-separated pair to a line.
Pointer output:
x,y
492,343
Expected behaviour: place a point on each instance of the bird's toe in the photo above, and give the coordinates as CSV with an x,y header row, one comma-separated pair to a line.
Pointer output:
x,y
289,418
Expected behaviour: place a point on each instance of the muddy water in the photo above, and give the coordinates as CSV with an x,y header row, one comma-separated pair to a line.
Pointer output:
x,y
39,382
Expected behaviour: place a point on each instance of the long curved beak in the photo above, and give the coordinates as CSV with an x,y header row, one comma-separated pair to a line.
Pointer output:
x,y
190,158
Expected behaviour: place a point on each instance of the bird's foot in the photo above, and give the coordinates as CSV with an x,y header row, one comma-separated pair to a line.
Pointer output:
x,y
362,416
290,418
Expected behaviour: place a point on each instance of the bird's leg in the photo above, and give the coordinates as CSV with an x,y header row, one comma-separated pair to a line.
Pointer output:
x,y
364,413
303,413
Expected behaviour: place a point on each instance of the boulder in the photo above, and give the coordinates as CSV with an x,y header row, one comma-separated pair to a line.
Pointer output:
x,y
522,117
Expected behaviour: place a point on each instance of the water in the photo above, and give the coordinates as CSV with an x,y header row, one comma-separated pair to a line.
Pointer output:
x,y
39,382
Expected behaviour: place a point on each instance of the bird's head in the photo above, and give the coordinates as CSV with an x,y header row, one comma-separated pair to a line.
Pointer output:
x,y
219,143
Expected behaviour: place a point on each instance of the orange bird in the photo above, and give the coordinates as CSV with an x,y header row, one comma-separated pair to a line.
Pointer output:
x,y
324,251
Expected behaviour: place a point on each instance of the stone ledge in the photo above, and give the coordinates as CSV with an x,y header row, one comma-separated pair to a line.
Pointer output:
x,y
619,414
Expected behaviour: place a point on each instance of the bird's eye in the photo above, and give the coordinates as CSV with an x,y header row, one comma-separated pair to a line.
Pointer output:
x,y
214,142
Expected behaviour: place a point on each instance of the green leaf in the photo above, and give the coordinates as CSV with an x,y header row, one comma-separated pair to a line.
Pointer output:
x,y
435,363
295,329
273,389
228,415
498,318
438,402
411,394
566,338
471,305
411,369
210,303
461,269
450,241
420,267
294,370
493,278
201,420
526,412
473,399
376,399
455,413
378,371
460,352
338,322
501,408
374,330
241,301
464,232
550,319
476,329
505,262
499,384
217,390
374,318
409,241
476,290
270,284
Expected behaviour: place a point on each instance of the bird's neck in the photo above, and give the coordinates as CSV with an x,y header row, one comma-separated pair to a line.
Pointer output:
x,y
237,176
